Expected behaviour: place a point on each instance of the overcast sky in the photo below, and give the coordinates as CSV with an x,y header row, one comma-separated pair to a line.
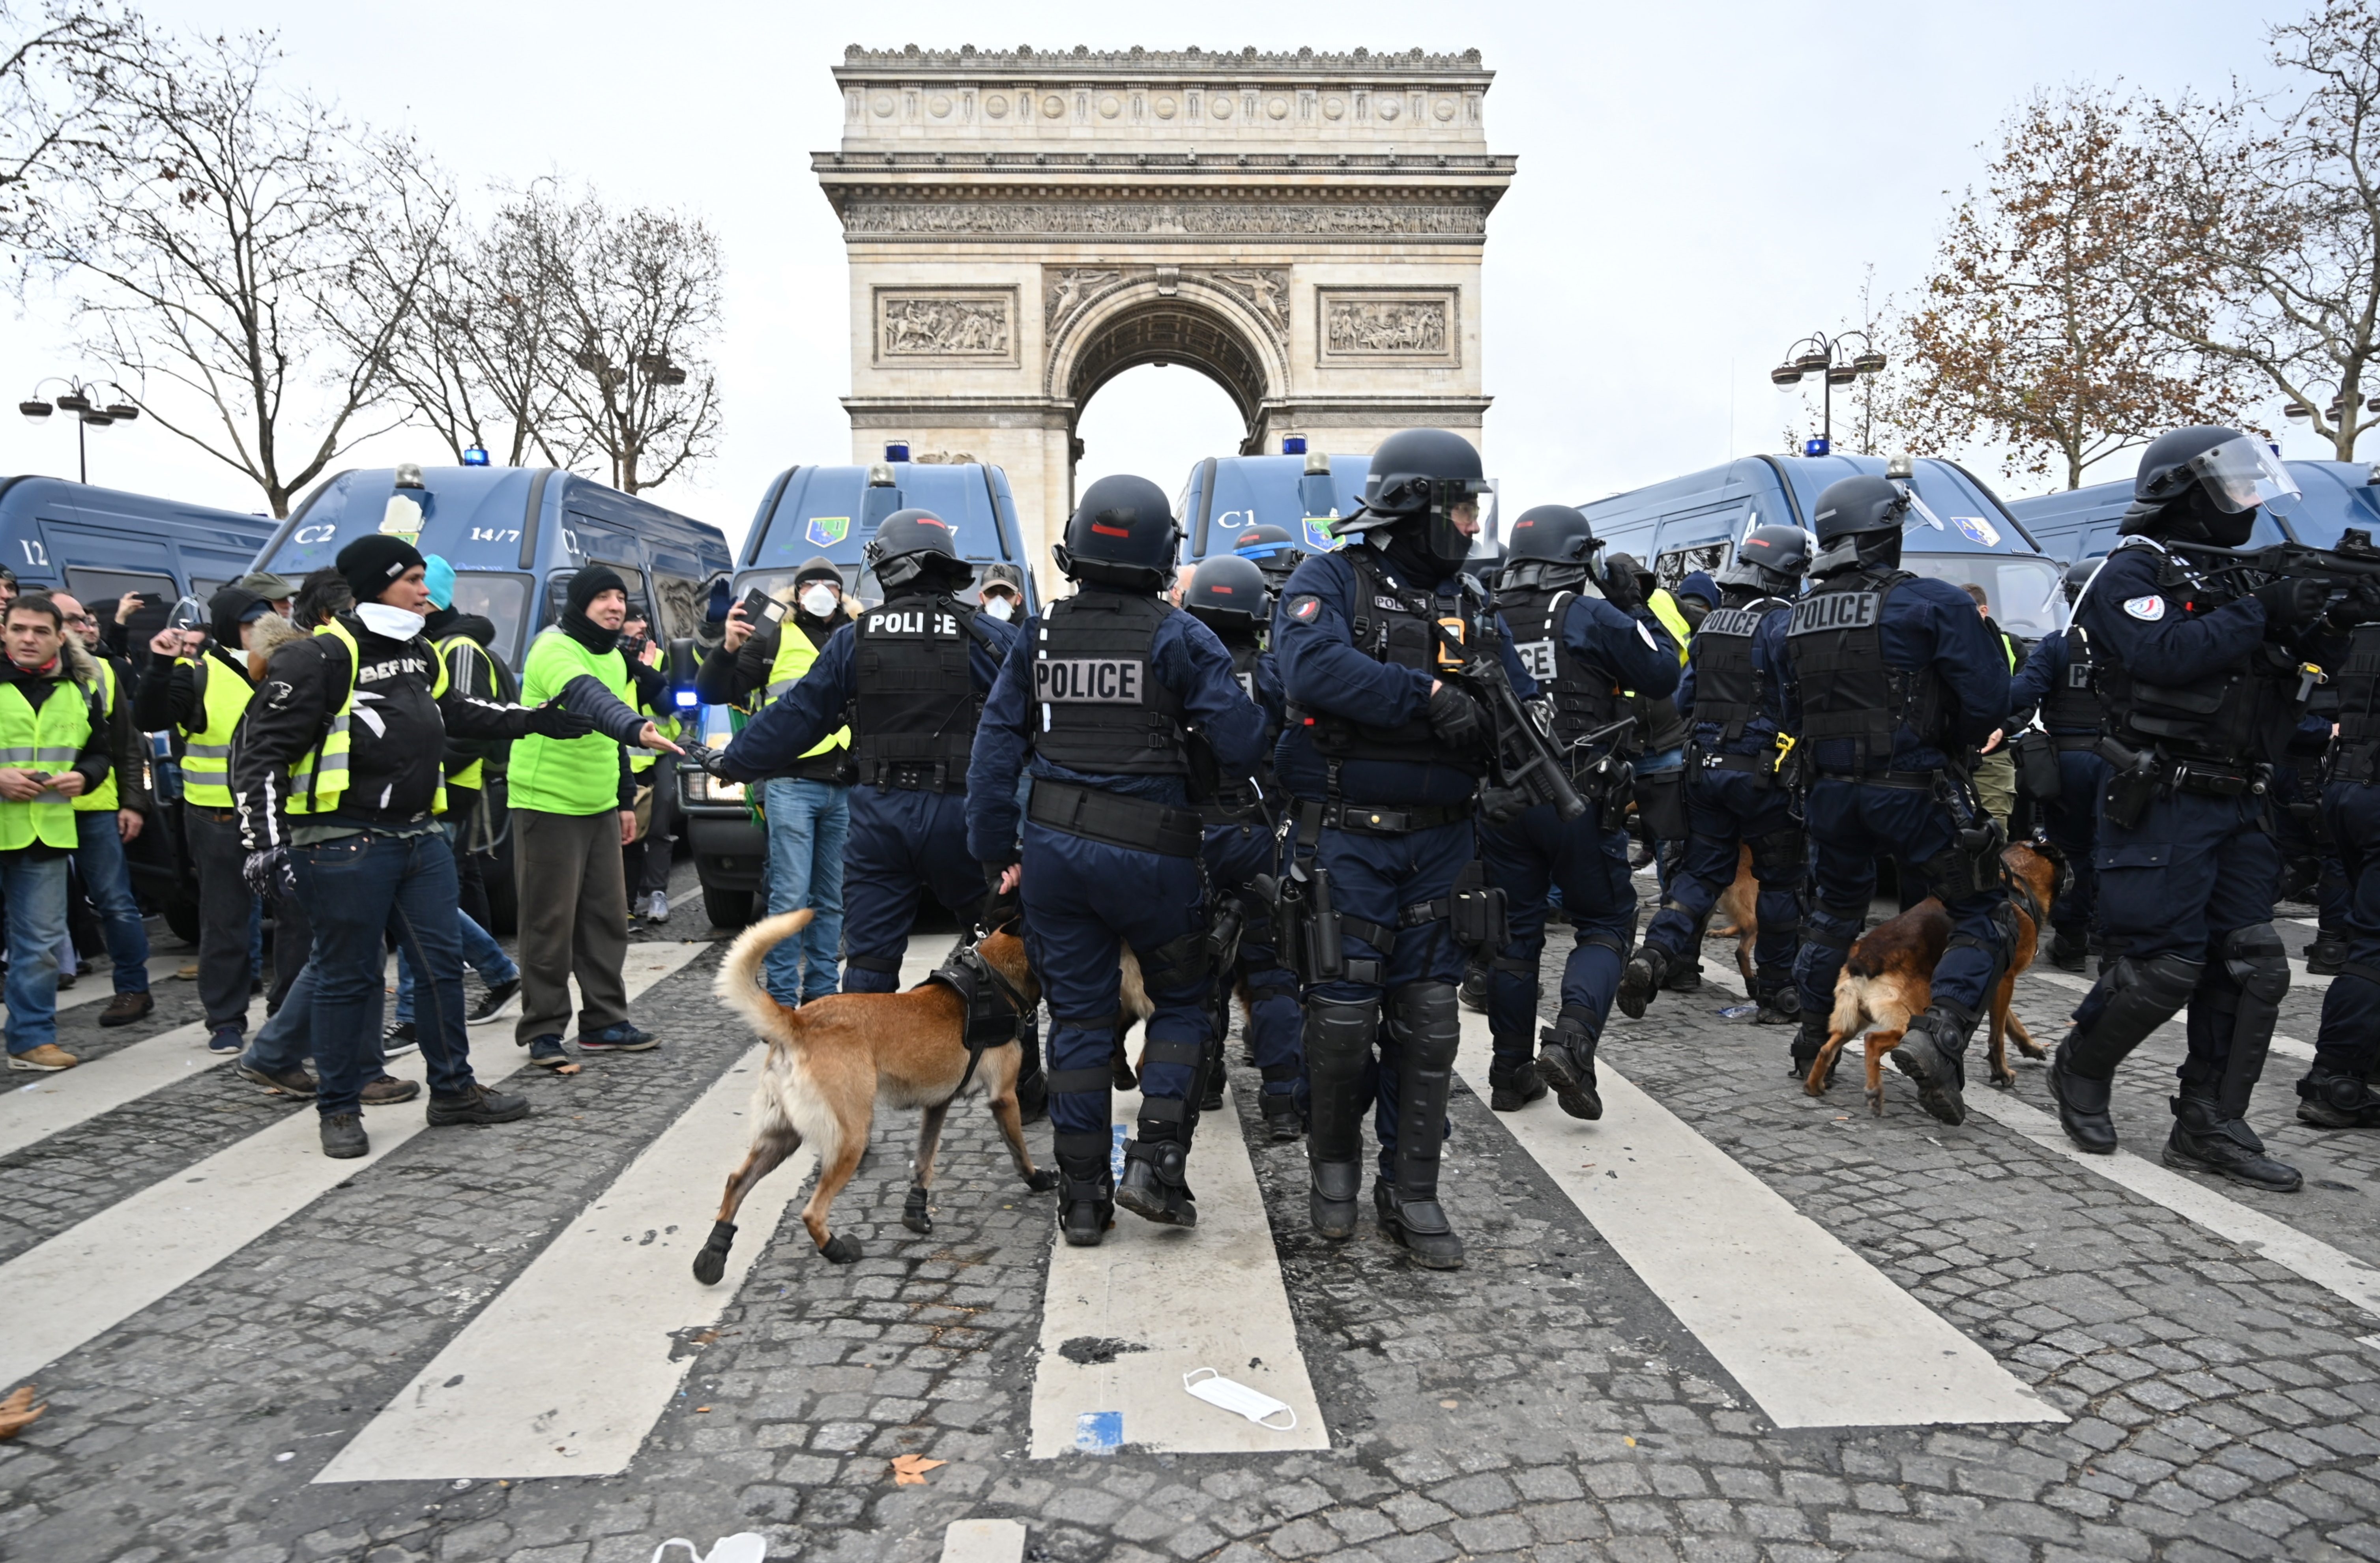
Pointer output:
x,y
1698,187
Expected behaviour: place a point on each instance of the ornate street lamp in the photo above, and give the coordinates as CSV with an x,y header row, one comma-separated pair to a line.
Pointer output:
x,y
1833,359
78,399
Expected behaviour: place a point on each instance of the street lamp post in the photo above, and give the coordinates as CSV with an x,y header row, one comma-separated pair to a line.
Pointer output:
x,y
78,399
2338,412
1834,359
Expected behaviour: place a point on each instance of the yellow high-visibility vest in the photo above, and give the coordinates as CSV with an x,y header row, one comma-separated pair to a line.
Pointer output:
x,y
206,753
104,798
46,740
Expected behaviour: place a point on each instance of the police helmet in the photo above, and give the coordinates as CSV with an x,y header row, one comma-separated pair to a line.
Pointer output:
x,y
1771,559
2078,576
912,548
1123,534
1421,475
1228,595
1856,506
2234,473
1556,533
1273,550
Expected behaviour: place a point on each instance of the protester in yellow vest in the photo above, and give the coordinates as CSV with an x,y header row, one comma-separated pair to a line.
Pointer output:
x,y
112,814
1995,765
198,687
573,809
53,750
808,808
338,774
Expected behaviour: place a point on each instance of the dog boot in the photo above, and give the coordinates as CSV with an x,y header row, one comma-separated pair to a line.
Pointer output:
x,y
2204,1140
1647,972
1929,1054
1086,1189
1567,1062
1154,1187
1809,1043
2069,952
2082,1104
1513,1086
2336,1101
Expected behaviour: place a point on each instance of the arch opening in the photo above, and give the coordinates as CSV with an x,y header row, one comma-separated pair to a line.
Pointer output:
x,y
1155,424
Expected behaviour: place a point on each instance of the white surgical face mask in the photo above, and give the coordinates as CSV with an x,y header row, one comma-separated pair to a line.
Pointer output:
x,y
396,623
1002,608
818,602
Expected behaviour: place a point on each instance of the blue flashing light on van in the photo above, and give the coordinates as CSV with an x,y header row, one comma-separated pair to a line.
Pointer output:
x,y
1302,492
515,535
1959,531
2334,496
100,543
834,511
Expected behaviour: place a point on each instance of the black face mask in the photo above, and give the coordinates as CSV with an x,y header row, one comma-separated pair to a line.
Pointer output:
x,y
1881,550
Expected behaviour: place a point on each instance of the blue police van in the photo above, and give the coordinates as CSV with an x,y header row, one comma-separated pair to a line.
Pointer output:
x,y
2084,523
1300,490
1958,530
100,543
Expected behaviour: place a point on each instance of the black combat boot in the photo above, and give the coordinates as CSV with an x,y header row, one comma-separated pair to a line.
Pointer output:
x,y
1512,1086
2134,999
1685,976
1809,1043
1424,1018
1085,1188
1156,1178
1338,1042
1929,1054
2327,954
1282,1119
1777,1004
1567,1062
1647,972
2204,1140
2330,1100
2068,950
2082,1102
1476,980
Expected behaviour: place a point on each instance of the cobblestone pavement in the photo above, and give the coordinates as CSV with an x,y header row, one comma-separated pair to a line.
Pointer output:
x,y
1543,1402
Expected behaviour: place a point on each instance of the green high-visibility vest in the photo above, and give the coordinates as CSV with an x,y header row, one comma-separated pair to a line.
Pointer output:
x,y
104,798
206,752
320,778
567,775
46,740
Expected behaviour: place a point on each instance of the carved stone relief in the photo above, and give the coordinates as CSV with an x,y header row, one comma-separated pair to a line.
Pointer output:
x,y
979,326
1401,325
1098,219
1265,290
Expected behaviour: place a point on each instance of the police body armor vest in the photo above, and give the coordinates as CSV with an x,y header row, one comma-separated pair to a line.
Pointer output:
x,y
1103,710
1232,792
2229,719
1728,688
915,706
1835,641
1583,697
2072,705
2356,751
1399,628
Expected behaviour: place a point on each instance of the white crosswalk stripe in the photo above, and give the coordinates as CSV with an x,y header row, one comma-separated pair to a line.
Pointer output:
x,y
55,1102
101,1272
1815,1334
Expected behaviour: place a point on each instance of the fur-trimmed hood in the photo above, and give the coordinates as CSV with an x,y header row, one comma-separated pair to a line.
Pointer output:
x,y
266,636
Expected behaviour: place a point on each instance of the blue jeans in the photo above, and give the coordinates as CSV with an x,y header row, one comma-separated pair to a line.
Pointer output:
x,y
356,888
481,953
35,890
809,825
99,858
287,1040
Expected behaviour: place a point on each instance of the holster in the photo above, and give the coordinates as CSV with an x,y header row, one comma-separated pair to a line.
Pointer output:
x,y
2035,753
2134,785
1476,911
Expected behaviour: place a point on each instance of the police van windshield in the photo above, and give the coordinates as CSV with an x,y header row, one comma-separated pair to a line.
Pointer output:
x,y
2021,593
496,598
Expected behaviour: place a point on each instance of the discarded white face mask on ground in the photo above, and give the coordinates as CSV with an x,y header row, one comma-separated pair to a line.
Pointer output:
x,y
744,1546
1239,1398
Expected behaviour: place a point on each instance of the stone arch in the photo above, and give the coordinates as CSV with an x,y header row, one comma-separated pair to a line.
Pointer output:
x,y
1166,318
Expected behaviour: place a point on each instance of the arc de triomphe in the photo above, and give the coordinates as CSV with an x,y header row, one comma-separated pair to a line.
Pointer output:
x,y
1305,228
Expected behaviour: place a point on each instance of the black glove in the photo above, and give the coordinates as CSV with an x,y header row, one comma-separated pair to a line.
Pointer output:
x,y
2288,603
995,872
1460,722
710,761
1623,583
2361,606
269,875
1501,806
552,721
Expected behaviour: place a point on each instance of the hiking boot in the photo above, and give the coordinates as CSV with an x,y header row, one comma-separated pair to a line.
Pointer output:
x,y
126,1008
291,1082
387,1090
1933,1068
2068,950
1645,975
476,1105
1514,1087
499,994
547,1052
1283,1121
2336,1101
343,1137
398,1040
227,1040
2326,955
47,1059
1420,1226
2204,1140
624,1037
1153,1186
2081,1105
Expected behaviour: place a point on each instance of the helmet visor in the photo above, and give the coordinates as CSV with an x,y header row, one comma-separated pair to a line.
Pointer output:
x,y
2242,474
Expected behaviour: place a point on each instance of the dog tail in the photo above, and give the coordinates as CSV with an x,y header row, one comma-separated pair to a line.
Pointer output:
x,y
738,982
1849,1013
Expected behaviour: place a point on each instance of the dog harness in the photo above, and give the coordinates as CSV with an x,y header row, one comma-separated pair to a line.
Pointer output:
x,y
993,1008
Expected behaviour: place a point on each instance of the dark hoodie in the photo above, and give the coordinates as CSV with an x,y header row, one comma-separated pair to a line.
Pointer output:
x,y
168,696
477,672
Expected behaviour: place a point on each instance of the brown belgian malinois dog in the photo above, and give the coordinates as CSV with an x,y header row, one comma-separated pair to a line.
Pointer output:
x,y
832,1060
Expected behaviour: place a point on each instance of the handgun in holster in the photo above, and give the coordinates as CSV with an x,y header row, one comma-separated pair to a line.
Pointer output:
x,y
1475,911
2134,785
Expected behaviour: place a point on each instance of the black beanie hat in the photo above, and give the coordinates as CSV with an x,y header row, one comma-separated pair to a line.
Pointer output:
x,y
225,608
591,583
371,564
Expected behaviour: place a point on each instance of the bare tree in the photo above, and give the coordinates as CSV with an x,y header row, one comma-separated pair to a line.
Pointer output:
x,y
2037,329
641,307
54,72
246,259
2273,208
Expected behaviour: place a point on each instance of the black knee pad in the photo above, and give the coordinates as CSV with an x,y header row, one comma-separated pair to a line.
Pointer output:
x,y
1429,1020
1781,855
2258,962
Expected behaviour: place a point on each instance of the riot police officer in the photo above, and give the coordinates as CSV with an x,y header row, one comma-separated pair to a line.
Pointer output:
x,y
1587,657
2201,691
2334,1093
912,675
1110,696
1892,681
1227,594
1384,759
1732,692
1272,551
2055,680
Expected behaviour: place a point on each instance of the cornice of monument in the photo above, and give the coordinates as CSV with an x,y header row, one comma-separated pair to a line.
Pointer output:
x,y
1136,62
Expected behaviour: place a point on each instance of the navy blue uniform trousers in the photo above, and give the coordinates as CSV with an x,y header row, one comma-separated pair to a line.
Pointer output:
x,y
902,840
2072,825
1236,854
1528,859
2349,1042
1728,809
